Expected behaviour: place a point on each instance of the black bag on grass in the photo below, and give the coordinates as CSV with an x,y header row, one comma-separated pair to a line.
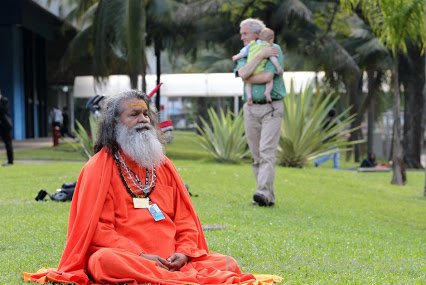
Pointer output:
x,y
65,193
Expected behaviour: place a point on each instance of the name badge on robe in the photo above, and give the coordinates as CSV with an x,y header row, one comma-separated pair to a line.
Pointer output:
x,y
156,212
140,203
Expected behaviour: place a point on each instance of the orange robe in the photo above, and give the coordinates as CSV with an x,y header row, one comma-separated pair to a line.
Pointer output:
x,y
106,234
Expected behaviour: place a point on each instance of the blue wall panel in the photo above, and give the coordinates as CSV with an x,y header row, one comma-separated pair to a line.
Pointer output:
x,y
11,76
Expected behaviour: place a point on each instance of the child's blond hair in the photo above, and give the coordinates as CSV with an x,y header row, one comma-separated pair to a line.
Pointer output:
x,y
267,35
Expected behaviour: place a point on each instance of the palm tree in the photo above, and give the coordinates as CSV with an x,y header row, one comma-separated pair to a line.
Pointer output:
x,y
294,22
413,76
112,33
374,59
394,23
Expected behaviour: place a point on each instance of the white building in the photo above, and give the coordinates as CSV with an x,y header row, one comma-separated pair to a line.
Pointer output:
x,y
177,86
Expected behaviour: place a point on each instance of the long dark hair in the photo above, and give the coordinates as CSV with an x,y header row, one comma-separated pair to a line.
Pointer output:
x,y
110,114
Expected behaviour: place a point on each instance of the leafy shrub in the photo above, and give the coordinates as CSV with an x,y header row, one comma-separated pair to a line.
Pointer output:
x,y
303,136
225,138
87,139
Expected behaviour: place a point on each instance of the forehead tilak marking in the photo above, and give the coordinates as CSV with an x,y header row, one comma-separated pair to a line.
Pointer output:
x,y
141,104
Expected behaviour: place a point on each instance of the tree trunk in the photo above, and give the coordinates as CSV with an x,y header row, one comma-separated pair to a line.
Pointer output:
x,y
424,189
370,111
374,78
144,82
201,107
136,46
398,169
370,127
412,67
133,80
354,92
157,51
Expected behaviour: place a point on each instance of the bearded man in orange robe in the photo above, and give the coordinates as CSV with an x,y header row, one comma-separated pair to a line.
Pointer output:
x,y
131,218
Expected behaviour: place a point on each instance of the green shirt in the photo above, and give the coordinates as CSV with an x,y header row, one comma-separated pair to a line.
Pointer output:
x,y
278,90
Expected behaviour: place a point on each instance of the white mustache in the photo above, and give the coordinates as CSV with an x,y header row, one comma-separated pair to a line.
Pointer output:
x,y
142,127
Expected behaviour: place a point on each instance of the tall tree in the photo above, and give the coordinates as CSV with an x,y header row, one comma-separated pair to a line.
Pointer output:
x,y
309,28
412,70
395,23
374,59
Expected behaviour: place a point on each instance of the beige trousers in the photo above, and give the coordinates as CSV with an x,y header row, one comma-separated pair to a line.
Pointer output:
x,y
262,124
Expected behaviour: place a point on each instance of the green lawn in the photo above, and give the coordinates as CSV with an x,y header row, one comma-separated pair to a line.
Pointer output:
x,y
327,227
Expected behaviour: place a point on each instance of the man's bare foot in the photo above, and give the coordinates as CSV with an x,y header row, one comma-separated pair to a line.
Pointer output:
x,y
250,101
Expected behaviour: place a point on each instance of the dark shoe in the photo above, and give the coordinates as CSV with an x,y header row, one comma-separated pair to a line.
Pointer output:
x,y
261,200
41,194
270,204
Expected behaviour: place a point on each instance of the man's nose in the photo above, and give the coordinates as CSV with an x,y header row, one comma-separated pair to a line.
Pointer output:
x,y
142,119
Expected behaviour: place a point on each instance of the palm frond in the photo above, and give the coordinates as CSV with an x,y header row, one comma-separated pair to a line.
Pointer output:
x,y
86,139
109,20
79,47
82,14
291,9
394,29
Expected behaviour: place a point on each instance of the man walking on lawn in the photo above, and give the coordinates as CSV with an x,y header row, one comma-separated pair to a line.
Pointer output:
x,y
262,119
131,218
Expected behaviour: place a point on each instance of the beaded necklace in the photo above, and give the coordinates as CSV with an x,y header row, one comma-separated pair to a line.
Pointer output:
x,y
134,179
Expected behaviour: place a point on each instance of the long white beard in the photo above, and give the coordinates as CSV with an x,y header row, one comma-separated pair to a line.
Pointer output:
x,y
142,146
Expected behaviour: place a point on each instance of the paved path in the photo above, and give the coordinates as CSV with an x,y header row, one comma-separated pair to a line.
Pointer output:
x,y
28,144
